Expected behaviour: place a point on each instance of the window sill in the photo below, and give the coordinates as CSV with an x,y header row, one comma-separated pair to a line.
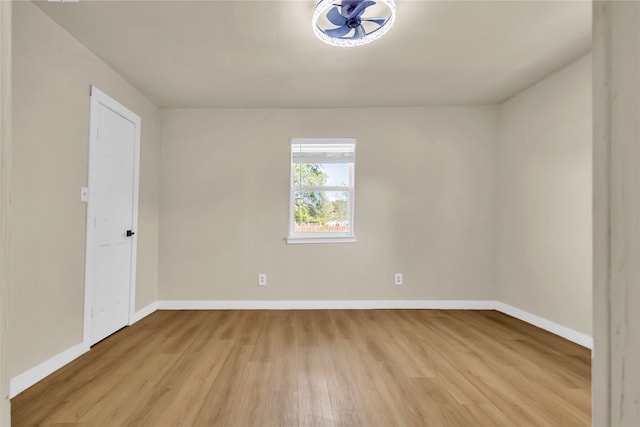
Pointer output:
x,y
304,240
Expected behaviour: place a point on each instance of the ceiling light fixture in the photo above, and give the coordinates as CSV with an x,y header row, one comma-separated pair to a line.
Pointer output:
x,y
352,22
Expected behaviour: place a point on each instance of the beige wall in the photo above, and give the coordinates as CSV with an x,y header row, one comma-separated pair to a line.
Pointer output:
x,y
6,144
544,199
424,205
616,90
52,74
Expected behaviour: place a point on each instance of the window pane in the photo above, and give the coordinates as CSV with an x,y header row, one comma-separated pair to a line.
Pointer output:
x,y
321,212
322,174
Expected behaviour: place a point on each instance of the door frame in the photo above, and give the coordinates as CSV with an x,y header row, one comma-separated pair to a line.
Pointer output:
x,y
100,98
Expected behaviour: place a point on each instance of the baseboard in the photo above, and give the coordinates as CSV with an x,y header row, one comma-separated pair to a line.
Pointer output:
x,y
21,382
555,328
144,312
540,322
325,305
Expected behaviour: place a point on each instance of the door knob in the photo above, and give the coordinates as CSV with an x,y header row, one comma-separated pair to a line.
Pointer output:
x,y
130,233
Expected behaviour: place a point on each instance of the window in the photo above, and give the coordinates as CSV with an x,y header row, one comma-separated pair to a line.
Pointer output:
x,y
322,190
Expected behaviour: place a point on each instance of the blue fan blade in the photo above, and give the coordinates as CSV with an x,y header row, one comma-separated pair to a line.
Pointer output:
x,y
337,32
336,18
379,21
345,5
359,33
359,10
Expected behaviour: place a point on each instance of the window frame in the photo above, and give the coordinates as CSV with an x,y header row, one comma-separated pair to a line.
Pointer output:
x,y
321,237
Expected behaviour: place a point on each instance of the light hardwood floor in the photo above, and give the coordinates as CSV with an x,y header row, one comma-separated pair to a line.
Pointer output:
x,y
320,367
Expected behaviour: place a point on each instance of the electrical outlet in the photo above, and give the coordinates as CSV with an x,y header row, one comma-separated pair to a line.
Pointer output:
x,y
84,194
262,279
398,279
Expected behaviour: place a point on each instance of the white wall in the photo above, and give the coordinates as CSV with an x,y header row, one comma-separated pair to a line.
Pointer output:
x,y
544,199
52,73
424,205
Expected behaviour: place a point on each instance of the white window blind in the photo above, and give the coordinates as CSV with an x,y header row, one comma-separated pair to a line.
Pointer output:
x,y
310,152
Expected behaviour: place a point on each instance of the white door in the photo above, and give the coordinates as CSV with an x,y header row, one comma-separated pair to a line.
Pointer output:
x,y
111,217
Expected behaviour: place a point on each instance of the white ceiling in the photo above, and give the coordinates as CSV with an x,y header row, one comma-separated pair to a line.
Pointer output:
x,y
264,53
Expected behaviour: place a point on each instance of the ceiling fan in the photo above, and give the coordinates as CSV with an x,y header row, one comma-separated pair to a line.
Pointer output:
x,y
352,22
